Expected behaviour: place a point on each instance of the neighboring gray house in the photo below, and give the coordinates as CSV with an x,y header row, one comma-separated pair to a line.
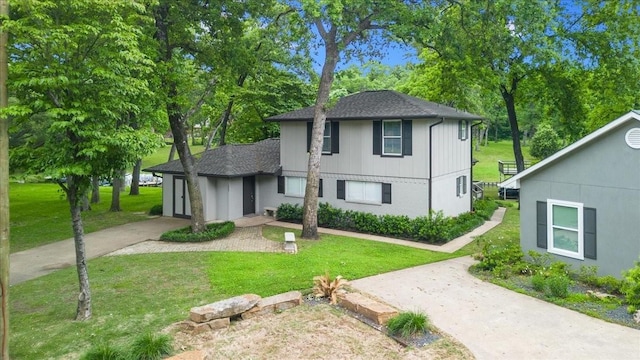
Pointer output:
x,y
582,204
384,153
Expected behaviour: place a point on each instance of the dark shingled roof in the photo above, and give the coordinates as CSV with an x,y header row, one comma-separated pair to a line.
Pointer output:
x,y
234,160
381,104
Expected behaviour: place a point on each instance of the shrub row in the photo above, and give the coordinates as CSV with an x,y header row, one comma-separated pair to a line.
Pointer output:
x,y
214,231
436,228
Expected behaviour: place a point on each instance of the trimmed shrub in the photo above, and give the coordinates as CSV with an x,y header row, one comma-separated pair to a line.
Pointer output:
x,y
408,324
494,256
156,210
435,228
214,231
151,347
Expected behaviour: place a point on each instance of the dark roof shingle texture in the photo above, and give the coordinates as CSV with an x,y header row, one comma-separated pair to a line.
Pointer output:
x,y
381,104
234,160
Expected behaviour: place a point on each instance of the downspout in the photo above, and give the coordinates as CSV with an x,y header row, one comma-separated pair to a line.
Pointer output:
x,y
430,207
471,159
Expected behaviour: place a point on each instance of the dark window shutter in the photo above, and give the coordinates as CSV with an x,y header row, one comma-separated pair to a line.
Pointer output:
x,y
386,193
590,248
280,184
406,137
340,190
541,222
320,189
458,186
377,137
335,137
309,129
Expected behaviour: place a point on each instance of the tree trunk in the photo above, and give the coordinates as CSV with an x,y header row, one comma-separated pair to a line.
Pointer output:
x,y
310,206
172,152
486,136
115,191
223,124
84,203
135,178
509,101
83,311
4,191
95,189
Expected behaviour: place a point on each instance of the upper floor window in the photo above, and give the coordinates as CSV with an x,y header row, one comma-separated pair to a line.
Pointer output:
x,y
326,143
463,129
330,137
392,137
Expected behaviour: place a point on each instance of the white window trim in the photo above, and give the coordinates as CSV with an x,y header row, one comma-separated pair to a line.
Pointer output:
x,y
287,191
327,124
464,129
384,137
551,246
348,198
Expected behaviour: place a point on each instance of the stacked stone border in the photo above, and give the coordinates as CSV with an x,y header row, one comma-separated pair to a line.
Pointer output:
x,y
218,315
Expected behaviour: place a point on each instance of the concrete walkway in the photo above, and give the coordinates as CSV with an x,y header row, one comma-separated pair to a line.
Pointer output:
x,y
496,323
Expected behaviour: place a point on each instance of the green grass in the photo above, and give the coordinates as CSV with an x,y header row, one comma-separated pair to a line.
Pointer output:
x,y
486,169
162,155
40,213
145,293
507,232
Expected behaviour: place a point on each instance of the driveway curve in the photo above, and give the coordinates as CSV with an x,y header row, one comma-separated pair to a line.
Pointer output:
x,y
496,323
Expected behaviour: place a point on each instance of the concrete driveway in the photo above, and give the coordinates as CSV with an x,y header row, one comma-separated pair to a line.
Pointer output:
x,y
495,323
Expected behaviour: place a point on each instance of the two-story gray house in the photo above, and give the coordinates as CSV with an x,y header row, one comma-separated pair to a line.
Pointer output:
x,y
383,152
582,204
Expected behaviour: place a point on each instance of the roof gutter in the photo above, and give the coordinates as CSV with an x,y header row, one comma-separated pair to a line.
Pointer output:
x,y
430,206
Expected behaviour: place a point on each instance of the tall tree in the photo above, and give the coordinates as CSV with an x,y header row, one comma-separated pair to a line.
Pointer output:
x,y
342,26
4,186
504,44
194,40
78,64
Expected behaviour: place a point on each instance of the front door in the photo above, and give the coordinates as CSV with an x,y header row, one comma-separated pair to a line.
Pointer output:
x,y
181,203
248,195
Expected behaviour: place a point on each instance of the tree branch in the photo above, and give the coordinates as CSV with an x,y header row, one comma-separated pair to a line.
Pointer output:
x,y
54,98
198,104
362,26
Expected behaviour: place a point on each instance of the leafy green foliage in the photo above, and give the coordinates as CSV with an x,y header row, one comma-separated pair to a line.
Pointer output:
x,y
631,286
500,259
558,286
545,142
538,281
436,228
212,231
156,210
409,324
151,347
104,352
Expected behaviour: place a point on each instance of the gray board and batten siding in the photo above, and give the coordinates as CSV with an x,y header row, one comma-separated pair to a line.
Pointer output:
x,y
603,175
357,119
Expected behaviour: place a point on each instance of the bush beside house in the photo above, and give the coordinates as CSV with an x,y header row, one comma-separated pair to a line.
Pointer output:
x,y
436,228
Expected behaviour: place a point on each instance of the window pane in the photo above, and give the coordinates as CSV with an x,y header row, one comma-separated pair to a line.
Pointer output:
x,y
565,216
364,191
326,145
295,186
327,129
565,240
392,128
392,146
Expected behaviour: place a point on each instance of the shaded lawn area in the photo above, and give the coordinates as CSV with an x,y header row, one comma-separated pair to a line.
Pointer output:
x,y
145,293
486,169
40,213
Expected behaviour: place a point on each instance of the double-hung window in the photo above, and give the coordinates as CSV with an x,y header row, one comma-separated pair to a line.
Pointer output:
x,y
392,137
565,228
364,192
326,143
295,186
463,129
461,185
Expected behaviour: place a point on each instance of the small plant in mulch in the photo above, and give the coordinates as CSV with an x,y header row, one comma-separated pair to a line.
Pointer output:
x,y
212,232
411,329
323,286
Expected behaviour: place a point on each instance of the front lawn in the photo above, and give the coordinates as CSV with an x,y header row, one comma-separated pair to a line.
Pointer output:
x,y
144,293
40,213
